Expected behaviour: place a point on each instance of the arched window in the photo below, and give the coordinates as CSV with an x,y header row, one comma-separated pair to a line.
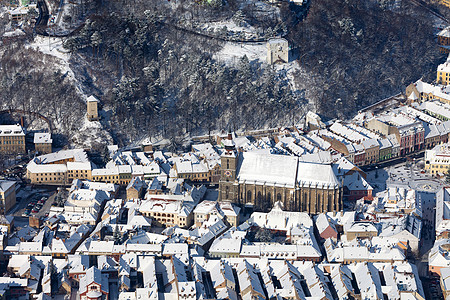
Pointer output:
x,y
249,196
278,197
319,205
259,196
228,163
226,192
269,198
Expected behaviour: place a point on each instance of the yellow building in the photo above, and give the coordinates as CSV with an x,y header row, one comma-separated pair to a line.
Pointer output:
x,y
136,188
361,230
437,160
79,170
168,211
59,167
7,195
110,175
193,170
12,139
443,73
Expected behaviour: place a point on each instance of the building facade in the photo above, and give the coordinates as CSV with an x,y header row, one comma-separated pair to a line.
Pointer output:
x,y
7,195
437,160
443,73
12,139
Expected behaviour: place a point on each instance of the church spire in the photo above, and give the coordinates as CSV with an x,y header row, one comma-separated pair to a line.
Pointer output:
x,y
230,146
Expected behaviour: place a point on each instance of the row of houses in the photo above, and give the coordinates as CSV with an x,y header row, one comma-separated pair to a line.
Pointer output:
x,y
149,277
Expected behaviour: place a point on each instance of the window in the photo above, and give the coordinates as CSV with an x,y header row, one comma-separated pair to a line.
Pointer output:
x,y
228,163
249,196
278,197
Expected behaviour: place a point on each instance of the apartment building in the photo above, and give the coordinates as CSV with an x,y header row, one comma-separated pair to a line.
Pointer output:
x,y
168,210
437,160
54,168
12,139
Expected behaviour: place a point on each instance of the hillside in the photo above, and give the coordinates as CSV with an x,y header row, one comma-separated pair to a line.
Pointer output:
x,y
175,68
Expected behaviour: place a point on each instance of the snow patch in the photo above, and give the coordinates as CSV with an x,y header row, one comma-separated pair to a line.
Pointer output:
x,y
91,133
231,52
231,26
50,46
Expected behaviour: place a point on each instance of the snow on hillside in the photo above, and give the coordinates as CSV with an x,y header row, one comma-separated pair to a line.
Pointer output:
x,y
50,46
230,25
90,134
54,47
231,52
291,71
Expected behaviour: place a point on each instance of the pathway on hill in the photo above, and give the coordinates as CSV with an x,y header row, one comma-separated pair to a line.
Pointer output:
x,y
31,113
430,9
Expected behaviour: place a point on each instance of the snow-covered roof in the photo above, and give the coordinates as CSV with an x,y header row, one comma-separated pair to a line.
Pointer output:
x,y
320,174
267,169
445,32
11,130
5,185
92,98
355,182
42,138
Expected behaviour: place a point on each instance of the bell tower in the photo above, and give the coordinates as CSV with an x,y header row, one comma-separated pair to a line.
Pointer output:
x,y
229,159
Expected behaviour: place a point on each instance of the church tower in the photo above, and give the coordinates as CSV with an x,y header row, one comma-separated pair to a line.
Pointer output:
x,y
229,160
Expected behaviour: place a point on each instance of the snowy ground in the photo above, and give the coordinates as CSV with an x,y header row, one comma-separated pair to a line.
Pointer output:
x,y
230,25
91,133
231,52
403,175
50,46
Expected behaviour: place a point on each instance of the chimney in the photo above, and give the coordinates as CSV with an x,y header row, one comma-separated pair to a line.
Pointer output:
x,y
22,121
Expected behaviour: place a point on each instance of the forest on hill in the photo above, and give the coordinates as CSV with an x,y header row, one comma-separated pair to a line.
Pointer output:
x,y
156,77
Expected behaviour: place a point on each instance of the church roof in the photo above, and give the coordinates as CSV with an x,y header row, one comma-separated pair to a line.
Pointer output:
x,y
312,173
267,169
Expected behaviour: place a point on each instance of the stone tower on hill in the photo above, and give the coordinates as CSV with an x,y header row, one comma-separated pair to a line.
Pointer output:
x,y
92,108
